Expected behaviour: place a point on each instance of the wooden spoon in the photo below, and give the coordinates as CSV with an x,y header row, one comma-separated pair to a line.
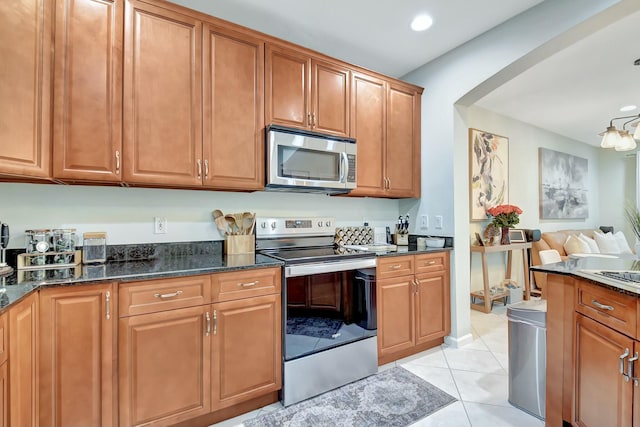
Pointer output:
x,y
231,222
239,223
247,222
253,223
217,214
222,224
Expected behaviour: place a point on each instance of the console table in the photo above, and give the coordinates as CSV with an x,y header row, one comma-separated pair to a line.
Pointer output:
x,y
484,250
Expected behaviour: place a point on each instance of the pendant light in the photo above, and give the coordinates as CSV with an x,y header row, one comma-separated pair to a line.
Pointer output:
x,y
620,140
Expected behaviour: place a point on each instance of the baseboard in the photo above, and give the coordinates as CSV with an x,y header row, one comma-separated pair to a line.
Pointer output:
x,y
458,342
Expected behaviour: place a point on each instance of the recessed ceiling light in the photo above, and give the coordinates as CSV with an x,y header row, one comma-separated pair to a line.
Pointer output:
x,y
421,22
628,108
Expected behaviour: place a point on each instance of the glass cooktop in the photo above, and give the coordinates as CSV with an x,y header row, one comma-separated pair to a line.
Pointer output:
x,y
316,254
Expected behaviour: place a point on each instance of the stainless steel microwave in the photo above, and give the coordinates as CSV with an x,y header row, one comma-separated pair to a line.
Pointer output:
x,y
309,162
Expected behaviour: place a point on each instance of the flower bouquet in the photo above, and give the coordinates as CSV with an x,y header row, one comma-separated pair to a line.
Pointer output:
x,y
505,217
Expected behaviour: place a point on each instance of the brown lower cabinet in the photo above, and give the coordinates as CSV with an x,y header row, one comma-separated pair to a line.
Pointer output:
x,y
4,375
77,356
413,304
180,359
23,362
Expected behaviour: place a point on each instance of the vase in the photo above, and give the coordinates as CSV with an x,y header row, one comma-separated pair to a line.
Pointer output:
x,y
504,239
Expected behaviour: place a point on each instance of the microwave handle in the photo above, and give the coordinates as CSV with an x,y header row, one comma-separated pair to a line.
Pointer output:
x,y
344,167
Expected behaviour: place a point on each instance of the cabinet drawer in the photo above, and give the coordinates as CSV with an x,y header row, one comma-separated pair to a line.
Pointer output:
x,y
164,294
427,263
244,284
608,307
394,266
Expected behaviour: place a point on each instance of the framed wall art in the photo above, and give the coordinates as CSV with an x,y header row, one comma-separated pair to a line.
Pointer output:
x,y
563,185
488,172
517,236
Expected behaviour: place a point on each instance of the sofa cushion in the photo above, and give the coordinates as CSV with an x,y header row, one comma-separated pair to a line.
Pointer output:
x,y
622,242
573,245
607,243
593,246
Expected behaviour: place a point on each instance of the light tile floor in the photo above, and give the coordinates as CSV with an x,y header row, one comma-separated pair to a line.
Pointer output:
x,y
475,374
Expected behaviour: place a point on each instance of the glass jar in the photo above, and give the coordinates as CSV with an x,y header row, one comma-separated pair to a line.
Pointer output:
x,y
94,248
64,239
37,240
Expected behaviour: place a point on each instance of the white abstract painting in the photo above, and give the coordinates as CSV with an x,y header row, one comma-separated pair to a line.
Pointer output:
x,y
489,172
563,185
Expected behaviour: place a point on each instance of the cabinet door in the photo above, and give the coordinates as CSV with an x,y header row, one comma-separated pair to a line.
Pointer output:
x,y
164,367
25,87
368,105
330,98
325,291
233,67
4,395
247,352
87,124
602,396
432,307
77,351
287,87
395,315
162,96
23,362
403,142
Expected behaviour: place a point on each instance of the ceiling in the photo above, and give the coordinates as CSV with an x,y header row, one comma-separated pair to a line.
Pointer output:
x,y
573,93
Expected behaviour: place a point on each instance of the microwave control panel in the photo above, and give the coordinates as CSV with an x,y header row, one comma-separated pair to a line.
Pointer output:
x,y
351,176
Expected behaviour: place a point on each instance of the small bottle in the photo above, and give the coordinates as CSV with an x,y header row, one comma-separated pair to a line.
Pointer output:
x,y
94,249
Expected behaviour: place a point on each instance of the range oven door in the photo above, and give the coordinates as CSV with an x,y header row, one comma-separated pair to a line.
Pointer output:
x,y
327,305
309,162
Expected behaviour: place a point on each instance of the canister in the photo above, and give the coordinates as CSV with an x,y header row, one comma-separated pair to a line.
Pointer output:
x,y
94,249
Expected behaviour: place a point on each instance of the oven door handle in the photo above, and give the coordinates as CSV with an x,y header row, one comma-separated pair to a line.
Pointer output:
x,y
328,267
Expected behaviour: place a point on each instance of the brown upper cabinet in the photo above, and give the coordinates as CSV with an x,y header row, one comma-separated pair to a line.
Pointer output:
x,y
25,88
306,92
385,121
162,96
87,96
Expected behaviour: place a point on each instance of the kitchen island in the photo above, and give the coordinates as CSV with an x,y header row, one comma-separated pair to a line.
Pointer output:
x,y
593,340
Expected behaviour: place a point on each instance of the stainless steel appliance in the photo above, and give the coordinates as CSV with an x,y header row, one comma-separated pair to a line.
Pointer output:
x,y
309,162
328,310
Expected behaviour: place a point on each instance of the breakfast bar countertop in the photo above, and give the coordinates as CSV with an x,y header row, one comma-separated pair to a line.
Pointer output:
x,y
589,267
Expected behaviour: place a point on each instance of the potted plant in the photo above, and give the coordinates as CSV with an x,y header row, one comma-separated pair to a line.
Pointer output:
x,y
633,216
505,217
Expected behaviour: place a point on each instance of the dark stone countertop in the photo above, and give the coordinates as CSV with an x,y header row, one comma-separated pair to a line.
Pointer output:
x,y
21,283
585,266
128,263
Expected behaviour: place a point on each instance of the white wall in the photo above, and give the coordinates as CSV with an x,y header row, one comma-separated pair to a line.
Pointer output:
x,y
470,71
126,214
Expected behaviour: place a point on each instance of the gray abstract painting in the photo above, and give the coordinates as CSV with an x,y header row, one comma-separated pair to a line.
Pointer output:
x,y
563,185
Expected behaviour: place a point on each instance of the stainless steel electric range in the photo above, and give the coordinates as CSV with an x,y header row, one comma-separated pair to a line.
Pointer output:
x,y
328,306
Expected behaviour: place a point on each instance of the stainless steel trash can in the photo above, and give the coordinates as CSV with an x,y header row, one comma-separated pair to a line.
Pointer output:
x,y
527,356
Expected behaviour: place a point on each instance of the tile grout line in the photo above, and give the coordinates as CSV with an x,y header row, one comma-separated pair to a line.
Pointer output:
x,y
455,383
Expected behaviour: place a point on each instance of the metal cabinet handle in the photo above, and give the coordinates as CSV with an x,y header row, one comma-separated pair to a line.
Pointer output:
x,y
246,285
389,183
199,168
432,262
602,306
622,357
117,161
386,183
630,368
309,121
314,119
208,318
107,305
395,267
171,295
206,169
215,322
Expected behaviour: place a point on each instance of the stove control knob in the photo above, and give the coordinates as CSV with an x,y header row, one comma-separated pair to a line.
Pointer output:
x,y
328,223
273,225
263,224
319,224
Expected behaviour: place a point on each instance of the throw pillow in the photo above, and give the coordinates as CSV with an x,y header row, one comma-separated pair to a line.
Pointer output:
x,y
622,243
573,245
607,243
593,246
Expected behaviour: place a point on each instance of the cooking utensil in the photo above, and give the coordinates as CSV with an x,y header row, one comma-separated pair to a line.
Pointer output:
x,y
231,222
253,223
222,224
247,221
239,223
217,213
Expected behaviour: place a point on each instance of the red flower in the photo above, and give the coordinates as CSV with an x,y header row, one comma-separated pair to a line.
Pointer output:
x,y
505,215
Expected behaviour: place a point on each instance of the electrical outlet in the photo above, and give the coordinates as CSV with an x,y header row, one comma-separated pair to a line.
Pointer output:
x,y
439,222
160,225
424,221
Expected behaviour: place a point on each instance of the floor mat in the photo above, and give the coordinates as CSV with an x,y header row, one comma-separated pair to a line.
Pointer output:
x,y
319,327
